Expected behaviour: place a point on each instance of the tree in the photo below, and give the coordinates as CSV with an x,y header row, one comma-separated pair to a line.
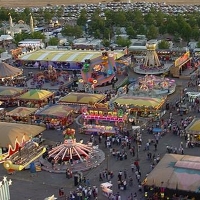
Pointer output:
x,y
82,19
172,26
72,31
198,44
141,30
163,45
186,31
130,31
152,32
149,19
106,43
53,41
195,33
123,42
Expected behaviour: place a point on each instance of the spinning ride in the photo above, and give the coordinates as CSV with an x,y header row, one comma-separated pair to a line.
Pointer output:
x,y
100,72
151,64
74,155
152,86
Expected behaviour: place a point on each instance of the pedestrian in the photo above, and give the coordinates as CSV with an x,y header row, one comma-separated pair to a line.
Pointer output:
x,y
132,167
155,146
125,174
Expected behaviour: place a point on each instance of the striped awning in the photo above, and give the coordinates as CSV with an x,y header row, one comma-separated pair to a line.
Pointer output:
x,y
64,56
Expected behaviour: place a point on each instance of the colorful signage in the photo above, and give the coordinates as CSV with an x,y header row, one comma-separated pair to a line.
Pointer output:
x,y
181,60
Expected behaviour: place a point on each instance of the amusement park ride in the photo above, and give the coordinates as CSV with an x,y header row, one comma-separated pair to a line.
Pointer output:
x,y
100,72
24,153
151,64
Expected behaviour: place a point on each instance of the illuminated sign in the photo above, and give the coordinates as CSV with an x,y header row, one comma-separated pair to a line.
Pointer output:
x,y
179,61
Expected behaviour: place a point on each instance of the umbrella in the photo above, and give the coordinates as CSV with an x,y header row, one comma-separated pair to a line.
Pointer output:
x,y
56,110
36,95
13,131
21,111
82,98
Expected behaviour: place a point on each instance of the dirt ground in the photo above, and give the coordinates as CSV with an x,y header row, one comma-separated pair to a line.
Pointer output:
x,y
39,3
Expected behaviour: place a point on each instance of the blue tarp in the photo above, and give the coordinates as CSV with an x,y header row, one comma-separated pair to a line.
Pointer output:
x,y
156,130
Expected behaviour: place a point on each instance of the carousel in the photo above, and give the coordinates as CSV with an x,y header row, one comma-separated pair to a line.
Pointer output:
x,y
152,85
73,155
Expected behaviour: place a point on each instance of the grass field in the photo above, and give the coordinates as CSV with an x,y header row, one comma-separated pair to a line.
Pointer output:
x,y
39,3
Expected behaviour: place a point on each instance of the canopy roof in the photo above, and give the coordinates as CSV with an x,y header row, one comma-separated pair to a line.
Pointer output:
x,y
64,56
137,101
175,171
21,111
9,92
56,111
194,126
82,98
7,71
70,149
13,131
36,95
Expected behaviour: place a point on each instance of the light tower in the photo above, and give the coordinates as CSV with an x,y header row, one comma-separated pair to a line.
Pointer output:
x,y
31,23
151,59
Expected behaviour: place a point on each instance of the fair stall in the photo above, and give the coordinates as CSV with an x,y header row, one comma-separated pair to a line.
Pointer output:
x,y
107,189
98,130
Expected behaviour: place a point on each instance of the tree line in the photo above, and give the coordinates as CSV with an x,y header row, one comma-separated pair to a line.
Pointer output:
x,y
152,24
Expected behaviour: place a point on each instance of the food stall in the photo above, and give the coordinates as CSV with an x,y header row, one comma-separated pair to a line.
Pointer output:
x,y
56,116
107,189
141,106
35,98
9,95
21,114
193,131
80,100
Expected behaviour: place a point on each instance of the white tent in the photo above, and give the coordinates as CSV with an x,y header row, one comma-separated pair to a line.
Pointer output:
x,y
5,37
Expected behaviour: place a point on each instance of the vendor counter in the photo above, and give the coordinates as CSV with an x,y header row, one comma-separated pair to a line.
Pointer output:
x,y
97,130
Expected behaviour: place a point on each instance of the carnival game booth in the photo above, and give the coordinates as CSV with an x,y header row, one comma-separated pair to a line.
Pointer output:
x,y
9,95
174,174
141,106
36,98
82,98
56,116
102,116
80,101
193,131
14,135
21,115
